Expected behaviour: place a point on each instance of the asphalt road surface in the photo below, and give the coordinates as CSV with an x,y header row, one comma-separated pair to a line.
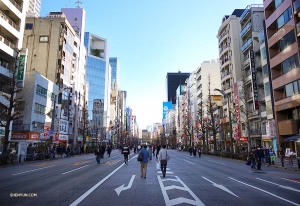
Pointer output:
x,y
189,180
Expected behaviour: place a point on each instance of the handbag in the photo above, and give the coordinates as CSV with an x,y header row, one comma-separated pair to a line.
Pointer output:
x,y
157,166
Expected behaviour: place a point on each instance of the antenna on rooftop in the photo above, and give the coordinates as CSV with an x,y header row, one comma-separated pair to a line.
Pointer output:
x,y
78,3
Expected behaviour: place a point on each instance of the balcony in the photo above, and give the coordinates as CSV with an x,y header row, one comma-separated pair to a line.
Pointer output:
x,y
225,74
16,5
8,43
247,44
296,5
223,48
287,127
246,29
246,62
9,21
224,34
242,17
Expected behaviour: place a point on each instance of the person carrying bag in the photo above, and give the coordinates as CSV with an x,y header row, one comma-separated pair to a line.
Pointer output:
x,y
163,158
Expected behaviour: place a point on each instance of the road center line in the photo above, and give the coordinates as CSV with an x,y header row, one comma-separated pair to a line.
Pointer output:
x,y
189,162
75,169
33,170
265,191
87,193
216,162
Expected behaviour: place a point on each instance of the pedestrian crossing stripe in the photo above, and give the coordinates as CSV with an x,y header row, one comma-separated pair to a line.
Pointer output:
x,y
112,162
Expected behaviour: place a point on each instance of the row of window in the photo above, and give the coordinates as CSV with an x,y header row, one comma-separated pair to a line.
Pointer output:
x,y
39,109
292,88
44,92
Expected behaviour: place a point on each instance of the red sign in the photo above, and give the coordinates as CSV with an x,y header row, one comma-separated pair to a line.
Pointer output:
x,y
237,109
243,139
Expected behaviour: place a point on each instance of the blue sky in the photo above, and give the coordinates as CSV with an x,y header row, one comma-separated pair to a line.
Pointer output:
x,y
151,38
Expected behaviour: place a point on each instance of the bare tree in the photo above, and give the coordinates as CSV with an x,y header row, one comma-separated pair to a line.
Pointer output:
x,y
211,123
9,109
84,121
201,128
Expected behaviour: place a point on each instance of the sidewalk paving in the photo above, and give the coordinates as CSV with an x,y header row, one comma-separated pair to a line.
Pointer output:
x,y
287,164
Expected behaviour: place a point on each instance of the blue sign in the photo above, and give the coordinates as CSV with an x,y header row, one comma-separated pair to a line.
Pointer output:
x,y
166,107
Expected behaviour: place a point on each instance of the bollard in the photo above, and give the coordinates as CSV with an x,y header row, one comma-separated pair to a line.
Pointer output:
x,y
298,160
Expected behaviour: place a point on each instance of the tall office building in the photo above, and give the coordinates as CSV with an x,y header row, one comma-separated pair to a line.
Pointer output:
x,y
173,80
98,76
77,18
251,22
12,22
282,29
115,71
34,8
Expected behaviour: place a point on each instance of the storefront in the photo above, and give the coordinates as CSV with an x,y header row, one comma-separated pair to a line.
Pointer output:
x,y
23,139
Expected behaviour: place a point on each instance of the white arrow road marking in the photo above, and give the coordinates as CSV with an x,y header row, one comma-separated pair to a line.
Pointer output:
x,y
121,188
285,187
179,200
75,169
33,170
189,162
216,162
220,187
265,191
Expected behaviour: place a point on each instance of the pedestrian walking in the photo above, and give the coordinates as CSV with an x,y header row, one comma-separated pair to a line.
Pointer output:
x,y
272,155
191,151
150,152
157,150
194,151
126,153
153,150
52,153
199,152
259,153
97,154
109,150
68,151
163,158
252,158
144,162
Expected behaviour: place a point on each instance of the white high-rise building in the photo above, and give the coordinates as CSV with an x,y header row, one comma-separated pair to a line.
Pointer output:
x,y
34,8
12,22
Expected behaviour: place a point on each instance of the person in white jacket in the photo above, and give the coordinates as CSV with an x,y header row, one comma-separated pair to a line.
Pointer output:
x,y
163,157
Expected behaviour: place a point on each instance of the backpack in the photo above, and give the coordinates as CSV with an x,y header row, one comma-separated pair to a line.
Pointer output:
x,y
140,156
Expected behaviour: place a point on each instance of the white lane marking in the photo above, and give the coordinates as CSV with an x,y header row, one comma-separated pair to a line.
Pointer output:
x,y
33,170
265,192
87,193
291,180
179,200
189,162
159,172
285,187
216,162
121,188
75,169
220,187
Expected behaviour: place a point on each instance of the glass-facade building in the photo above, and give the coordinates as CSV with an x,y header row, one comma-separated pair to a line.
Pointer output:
x,y
113,61
97,78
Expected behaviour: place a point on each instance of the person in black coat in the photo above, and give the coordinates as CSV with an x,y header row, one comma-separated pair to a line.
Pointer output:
x,y
259,153
191,151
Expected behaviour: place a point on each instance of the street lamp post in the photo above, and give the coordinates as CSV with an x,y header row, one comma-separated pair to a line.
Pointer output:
x,y
230,124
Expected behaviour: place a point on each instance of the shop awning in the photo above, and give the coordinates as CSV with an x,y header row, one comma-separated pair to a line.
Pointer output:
x,y
294,138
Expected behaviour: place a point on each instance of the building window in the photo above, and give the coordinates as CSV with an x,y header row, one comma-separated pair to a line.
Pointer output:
x,y
269,107
284,18
39,109
287,40
265,71
267,88
278,3
290,64
28,26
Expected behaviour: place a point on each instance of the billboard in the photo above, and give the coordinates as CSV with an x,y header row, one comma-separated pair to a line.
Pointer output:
x,y
254,85
237,128
22,68
166,107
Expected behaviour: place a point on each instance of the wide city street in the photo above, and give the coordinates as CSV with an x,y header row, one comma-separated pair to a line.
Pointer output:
x,y
208,180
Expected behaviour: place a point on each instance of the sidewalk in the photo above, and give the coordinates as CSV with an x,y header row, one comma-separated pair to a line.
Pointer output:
x,y
287,164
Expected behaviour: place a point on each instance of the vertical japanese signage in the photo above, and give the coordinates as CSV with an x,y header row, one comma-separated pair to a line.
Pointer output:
x,y
166,107
22,68
237,129
254,85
